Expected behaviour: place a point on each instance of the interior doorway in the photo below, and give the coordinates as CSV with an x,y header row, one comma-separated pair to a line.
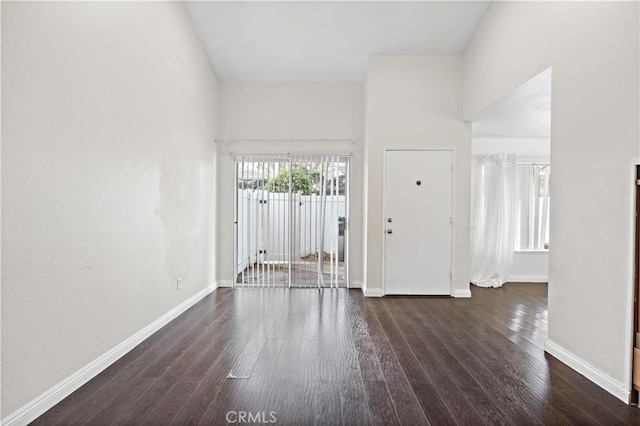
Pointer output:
x,y
511,192
291,221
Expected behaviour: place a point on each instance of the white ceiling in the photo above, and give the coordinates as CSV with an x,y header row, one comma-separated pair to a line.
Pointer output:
x,y
326,41
523,113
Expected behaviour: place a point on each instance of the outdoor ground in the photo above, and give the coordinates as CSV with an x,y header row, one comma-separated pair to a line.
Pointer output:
x,y
303,274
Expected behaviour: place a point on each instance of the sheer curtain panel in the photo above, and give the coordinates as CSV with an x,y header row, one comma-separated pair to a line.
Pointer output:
x,y
494,219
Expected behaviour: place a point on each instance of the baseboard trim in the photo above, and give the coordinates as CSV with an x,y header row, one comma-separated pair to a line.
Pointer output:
x,y
224,283
461,294
373,292
528,279
355,284
596,376
38,406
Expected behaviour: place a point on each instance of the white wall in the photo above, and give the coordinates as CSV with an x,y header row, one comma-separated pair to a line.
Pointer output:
x,y
107,181
528,266
592,48
415,101
290,110
275,117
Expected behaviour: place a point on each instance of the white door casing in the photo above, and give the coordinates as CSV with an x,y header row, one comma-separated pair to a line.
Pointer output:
x,y
418,200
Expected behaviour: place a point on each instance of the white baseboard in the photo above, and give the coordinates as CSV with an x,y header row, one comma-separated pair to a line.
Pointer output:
x,y
373,292
528,279
38,406
607,383
355,284
224,283
459,293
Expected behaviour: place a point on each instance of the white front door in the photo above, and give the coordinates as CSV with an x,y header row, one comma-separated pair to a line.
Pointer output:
x,y
418,222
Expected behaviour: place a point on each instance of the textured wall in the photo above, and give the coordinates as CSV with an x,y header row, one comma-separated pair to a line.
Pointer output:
x,y
107,180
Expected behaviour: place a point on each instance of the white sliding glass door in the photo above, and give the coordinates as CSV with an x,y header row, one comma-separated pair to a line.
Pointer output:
x,y
291,222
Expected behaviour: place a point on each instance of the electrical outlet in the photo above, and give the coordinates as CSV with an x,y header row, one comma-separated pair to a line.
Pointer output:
x,y
179,283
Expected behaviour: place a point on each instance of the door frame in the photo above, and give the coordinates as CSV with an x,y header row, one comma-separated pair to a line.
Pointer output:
x,y
633,290
384,207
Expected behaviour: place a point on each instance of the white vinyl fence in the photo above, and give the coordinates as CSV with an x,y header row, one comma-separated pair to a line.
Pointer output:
x,y
264,226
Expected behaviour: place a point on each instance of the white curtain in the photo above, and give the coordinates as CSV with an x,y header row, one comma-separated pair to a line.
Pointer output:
x,y
494,219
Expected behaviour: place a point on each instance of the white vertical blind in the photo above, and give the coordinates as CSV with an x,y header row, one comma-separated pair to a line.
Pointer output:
x,y
287,229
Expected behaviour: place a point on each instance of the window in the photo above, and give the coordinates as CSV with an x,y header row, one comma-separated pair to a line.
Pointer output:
x,y
532,211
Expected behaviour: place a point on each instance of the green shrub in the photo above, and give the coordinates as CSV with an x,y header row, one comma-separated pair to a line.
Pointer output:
x,y
300,181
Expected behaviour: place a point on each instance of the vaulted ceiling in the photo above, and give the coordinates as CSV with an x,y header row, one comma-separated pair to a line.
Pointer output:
x,y
326,40
523,113
332,41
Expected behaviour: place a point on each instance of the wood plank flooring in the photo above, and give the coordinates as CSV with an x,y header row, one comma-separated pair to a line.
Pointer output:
x,y
332,357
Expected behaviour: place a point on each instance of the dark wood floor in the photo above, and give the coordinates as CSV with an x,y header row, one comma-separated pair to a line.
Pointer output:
x,y
334,357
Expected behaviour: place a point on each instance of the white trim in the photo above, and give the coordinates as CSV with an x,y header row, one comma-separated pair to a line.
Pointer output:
x,y
601,379
231,140
234,203
346,234
460,293
383,264
454,221
542,251
528,279
630,290
355,284
374,292
39,405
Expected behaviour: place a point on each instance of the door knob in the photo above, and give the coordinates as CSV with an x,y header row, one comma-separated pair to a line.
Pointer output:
x,y
389,231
